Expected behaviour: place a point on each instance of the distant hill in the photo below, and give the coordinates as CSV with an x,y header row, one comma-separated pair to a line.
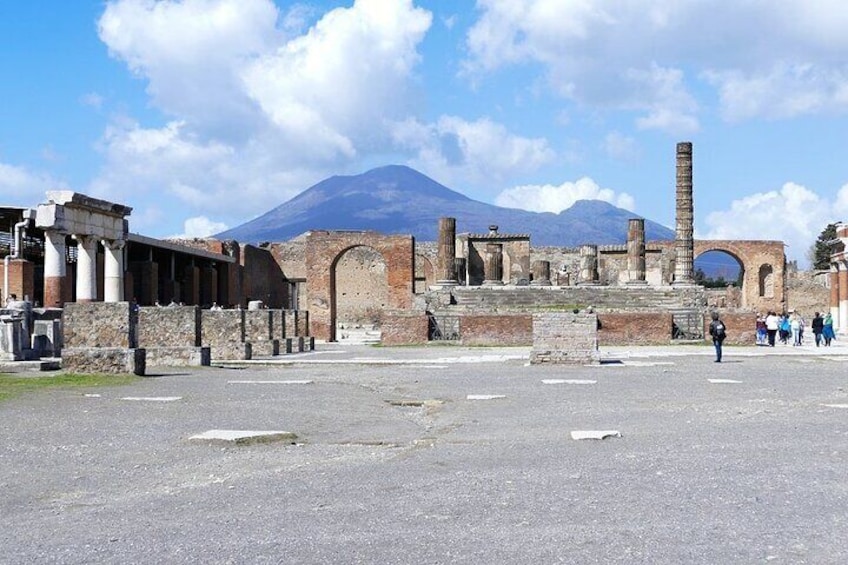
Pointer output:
x,y
397,199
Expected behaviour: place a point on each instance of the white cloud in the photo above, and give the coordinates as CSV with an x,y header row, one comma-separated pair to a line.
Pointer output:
x,y
200,226
21,187
794,214
550,198
482,151
655,57
620,146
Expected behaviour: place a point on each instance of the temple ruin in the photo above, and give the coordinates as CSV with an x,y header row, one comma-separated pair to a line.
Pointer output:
x,y
471,288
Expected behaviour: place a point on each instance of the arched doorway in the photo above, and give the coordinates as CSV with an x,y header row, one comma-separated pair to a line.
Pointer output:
x,y
723,275
359,283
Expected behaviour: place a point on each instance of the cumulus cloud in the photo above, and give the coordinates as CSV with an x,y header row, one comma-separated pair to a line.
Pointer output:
x,y
794,214
21,187
453,149
200,226
550,198
653,58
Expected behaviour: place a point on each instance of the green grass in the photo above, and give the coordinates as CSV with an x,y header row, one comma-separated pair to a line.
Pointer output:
x,y
12,386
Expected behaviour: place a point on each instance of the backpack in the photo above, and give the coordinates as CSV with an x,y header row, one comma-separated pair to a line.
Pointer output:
x,y
718,331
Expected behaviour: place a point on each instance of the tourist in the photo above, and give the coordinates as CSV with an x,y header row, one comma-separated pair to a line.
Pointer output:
x,y
795,327
827,329
818,327
718,333
762,332
772,326
785,329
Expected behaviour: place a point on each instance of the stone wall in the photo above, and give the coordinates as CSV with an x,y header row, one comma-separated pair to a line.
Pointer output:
x,y
224,332
564,338
494,329
96,324
361,287
404,328
741,327
110,360
808,292
169,327
262,278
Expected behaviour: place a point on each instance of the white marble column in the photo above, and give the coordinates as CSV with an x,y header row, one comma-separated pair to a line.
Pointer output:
x,y
113,270
843,298
86,268
55,268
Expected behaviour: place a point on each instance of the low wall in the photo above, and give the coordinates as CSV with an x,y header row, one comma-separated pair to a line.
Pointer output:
x,y
96,324
169,327
110,360
223,331
634,328
404,328
495,329
741,328
565,338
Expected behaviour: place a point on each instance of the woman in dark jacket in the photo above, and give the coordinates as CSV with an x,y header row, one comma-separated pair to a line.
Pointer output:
x,y
818,327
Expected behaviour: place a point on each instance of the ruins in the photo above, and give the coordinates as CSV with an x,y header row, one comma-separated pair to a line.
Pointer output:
x,y
471,288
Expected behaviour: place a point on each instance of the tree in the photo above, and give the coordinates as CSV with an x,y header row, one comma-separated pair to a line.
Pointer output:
x,y
821,250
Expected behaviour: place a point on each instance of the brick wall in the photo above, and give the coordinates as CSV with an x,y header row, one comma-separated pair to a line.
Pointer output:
x,y
404,328
506,329
262,278
169,327
642,328
96,324
21,279
565,338
741,328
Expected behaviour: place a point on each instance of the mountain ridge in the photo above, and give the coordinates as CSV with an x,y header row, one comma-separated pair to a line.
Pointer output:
x,y
396,199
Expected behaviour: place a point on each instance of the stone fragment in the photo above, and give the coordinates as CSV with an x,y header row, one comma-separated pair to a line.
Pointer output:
x,y
290,382
568,382
242,437
724,381
153,398
485,396
594,434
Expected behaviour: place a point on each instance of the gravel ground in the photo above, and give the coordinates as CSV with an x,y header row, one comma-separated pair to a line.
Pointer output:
x,y
393,463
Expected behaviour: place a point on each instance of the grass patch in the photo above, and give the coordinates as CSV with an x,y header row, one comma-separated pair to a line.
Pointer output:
x,y
11,386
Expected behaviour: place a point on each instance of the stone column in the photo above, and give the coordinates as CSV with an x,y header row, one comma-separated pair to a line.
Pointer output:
x,y
636,251
541,273
447,252
55,268
86,268
493,266
588,265
684,243
843,298
459,267
113,271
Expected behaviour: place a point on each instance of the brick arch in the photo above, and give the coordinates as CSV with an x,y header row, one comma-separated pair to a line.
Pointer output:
x,y
755,257
323,251
425,272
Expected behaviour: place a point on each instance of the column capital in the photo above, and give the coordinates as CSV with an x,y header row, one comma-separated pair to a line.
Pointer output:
x,y
113,244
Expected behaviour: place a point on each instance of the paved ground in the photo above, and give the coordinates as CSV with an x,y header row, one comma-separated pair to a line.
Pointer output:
x,y
704,472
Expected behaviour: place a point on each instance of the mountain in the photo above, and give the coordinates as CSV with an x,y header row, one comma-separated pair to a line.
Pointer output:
x,y
397,199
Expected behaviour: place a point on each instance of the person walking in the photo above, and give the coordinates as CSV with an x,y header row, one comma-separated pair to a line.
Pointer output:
x,y
827,331
818,327
795,328
718,333
772,325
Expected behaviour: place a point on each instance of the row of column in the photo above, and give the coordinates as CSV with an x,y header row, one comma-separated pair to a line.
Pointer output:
x,y
55,268
839,296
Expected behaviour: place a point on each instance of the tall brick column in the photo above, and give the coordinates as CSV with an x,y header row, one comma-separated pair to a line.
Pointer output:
x,y
636,251
493,265
834,293
447,252
684,242
843,298
55,269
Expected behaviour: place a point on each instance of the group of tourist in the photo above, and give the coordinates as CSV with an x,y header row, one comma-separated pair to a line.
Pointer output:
x,y
789,327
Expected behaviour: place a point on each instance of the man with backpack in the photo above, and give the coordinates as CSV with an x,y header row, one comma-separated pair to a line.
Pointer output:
x,y
718,333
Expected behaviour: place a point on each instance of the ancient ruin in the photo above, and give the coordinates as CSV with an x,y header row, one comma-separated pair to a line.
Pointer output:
x,y
236,301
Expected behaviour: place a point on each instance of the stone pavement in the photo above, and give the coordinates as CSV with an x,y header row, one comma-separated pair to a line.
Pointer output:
x,y
439,455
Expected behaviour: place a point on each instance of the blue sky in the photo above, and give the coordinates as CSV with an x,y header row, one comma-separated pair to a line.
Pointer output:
x,y
202,114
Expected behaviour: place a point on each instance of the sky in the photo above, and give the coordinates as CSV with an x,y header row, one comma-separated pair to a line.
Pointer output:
x,y
203,114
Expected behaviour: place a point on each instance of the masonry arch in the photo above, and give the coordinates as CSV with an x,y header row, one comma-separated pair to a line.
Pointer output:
x,y
359,288
325,253
723,275
425,273
764,266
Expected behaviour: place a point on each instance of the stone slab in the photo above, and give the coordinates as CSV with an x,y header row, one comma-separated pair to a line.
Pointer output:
x,y
153,398
485,396
594,434
724,381
568,382
241,437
